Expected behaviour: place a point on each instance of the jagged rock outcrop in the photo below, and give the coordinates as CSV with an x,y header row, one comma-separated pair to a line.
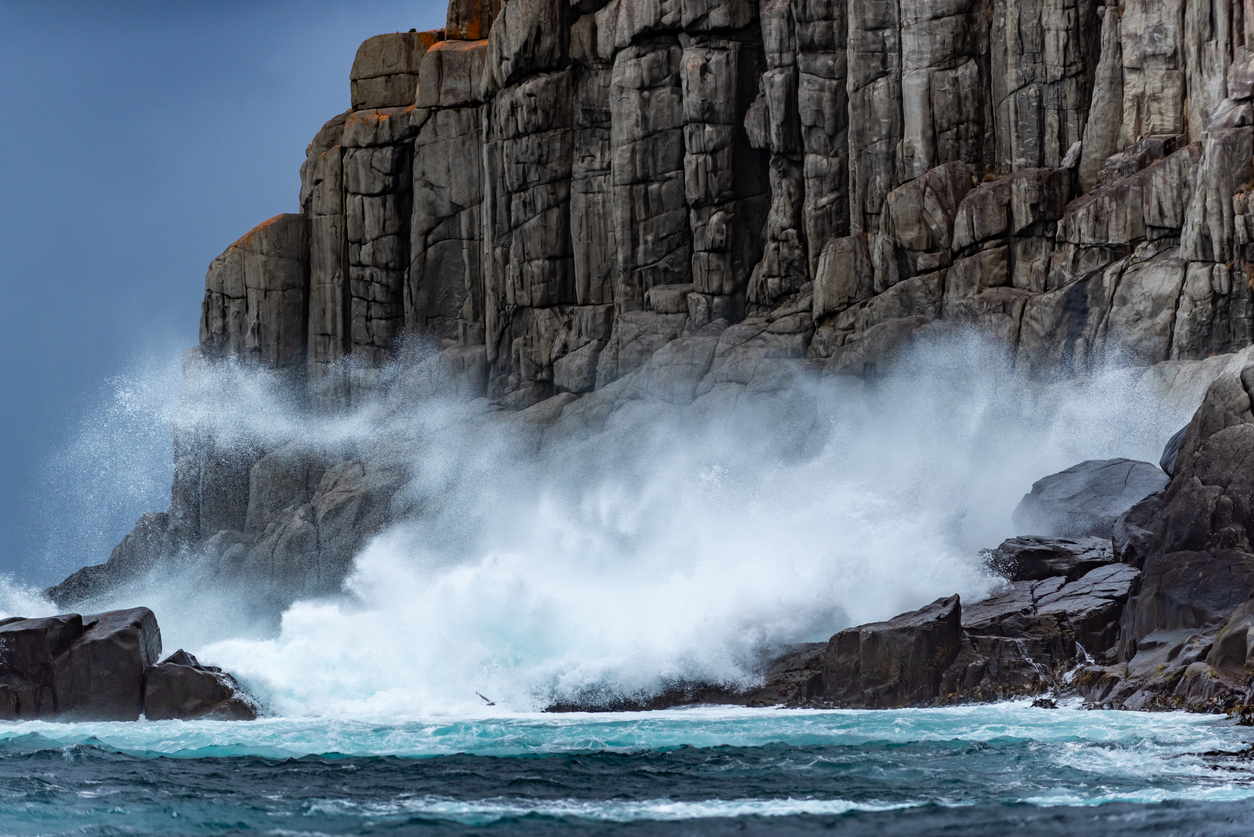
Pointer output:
x,y
1035,558
583,206
103,667
1061,175
1179,641
893,663
1023,640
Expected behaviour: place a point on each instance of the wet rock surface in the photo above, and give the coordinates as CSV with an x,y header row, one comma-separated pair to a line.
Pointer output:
x,y
586,206
894,663
101,667
1036,559
180,687
1086,499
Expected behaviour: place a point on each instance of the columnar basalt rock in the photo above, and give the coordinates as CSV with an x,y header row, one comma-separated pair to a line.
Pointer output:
x,y
582,203
256,296
1056,173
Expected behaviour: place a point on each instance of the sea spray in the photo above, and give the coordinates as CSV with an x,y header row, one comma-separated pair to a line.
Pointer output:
x,y
117,467
533,562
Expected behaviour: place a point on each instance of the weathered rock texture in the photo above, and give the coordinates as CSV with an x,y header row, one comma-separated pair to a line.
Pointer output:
x,y
1182,639
180,687
583,205
104,667
1086,499
569,189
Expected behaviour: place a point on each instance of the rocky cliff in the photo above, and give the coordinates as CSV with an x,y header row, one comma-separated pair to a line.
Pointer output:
x,y
587,182
574,206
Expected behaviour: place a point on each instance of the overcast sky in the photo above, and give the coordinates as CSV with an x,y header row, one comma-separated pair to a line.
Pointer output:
x,y
143,138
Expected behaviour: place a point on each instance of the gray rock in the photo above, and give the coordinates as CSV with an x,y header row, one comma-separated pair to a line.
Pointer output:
x,y
470,20
255,296
443,289
385,69
451,75
1037,559
1171,450
1085,499
844,275
893,663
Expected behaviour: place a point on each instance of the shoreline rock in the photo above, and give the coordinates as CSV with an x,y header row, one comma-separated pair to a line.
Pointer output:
x,y
104,667
1157,614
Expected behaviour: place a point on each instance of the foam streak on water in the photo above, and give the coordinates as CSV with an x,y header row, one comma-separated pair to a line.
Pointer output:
x,y
528,773
1157,735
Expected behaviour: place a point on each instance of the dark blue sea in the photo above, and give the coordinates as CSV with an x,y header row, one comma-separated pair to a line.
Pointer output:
x,y
987,770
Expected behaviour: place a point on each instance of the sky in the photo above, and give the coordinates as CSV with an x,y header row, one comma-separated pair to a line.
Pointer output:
x,y
143,138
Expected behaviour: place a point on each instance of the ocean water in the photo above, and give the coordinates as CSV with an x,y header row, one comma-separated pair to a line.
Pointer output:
x,y
993,770
678,545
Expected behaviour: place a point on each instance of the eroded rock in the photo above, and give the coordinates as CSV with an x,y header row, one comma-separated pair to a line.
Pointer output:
x,y
101,668
179,687
1085,499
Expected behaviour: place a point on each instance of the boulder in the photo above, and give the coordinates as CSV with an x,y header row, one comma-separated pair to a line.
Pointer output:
x,y
1035,559
180,687
77,668
1149,680
385,69
102,667
893,663
30,647
100,676
1026,638
1086,610
1190,590
1086,499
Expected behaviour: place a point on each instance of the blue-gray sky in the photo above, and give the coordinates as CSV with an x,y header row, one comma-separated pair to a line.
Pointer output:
x,y
143,138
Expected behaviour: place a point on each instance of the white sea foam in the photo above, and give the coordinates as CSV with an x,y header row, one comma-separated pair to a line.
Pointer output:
x,y
1125,745
18,599
877,760
486,811
678,544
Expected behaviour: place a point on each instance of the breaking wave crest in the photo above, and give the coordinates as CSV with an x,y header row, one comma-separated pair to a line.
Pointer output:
x,y
533,562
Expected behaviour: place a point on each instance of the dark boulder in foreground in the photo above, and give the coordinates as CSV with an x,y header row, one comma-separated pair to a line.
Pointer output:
x,y
101,667
1086,499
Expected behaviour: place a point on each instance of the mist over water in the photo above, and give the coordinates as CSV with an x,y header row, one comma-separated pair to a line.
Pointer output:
x,y
677,543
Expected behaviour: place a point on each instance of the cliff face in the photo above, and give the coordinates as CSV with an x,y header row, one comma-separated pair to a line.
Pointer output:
x,y
585,183
690,195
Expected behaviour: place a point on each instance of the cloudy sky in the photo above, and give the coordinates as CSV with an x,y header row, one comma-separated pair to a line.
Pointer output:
x,y
143,138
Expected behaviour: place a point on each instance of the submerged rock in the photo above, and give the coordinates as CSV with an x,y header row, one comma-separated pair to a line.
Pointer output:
x,y
1086,499
97,668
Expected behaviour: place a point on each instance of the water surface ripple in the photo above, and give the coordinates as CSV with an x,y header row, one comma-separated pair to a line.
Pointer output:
x,y
970,770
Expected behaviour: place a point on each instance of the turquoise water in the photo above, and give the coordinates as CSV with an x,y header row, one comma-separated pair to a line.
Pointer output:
x,y
983,769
